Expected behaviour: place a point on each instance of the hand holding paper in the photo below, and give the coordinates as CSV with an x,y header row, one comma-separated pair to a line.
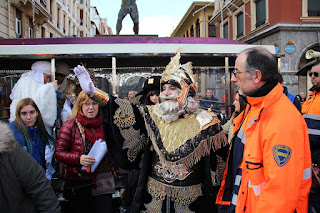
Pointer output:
x,y
98,150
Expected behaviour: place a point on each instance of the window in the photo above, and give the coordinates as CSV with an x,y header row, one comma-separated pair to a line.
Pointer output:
x,y
30,33
64,23
212,30
43,32
260,12
18,24
18,28
192,31
313,8
240,25
81,17
81,33
51,9
226,30
198,28
43,3
58,17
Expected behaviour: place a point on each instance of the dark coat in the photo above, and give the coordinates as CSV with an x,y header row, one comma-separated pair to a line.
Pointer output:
x,y
23,184
69,149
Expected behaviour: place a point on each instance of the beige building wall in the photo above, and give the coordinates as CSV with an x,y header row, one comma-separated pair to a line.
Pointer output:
x,y
85,22
52,18
194,18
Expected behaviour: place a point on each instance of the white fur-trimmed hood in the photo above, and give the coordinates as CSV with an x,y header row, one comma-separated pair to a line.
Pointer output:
x,y
7,141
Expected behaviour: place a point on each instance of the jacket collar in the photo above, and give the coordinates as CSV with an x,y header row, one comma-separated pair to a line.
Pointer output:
x,y
264,90
267,100
315,89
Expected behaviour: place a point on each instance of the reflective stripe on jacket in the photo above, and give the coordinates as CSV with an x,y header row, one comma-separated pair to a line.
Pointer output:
x,y
311,112
276,166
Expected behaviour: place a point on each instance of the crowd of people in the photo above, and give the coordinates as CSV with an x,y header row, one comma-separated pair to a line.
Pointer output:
x,y
180,156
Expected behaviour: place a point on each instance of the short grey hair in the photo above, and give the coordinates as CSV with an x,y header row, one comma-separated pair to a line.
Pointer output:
x,y
261,59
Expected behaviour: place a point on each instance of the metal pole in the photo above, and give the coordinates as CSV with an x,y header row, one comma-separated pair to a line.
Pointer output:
x,y
227,81
9,19
205,24
53,69
114,76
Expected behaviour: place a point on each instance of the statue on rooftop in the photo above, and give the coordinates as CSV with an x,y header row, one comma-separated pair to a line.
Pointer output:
x,y
128,7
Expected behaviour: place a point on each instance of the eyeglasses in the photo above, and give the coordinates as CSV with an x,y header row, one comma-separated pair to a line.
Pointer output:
x,y
316,74
236,73
87,104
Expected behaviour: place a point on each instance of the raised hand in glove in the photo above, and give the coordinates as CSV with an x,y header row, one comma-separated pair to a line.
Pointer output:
x,y
84,79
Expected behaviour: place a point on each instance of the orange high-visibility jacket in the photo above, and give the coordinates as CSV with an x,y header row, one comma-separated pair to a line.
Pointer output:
x,y
311,112
276,165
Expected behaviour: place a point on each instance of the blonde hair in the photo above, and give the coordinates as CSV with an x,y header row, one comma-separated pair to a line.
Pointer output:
x,y
82,98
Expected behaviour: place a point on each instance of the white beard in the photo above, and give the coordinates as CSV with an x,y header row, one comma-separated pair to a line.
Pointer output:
x,y
171,110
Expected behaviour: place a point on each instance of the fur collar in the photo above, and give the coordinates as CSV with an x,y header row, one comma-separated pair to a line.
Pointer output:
x,y
7,141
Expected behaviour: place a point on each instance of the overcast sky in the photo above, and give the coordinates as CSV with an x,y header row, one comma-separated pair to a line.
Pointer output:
x,y
156,17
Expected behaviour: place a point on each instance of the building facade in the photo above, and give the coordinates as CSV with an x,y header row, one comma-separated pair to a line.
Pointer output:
x,y
195,22
105,29
44,18
99,25
293,27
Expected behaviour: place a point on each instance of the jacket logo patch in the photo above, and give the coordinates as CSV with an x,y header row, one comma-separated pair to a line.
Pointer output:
x,y
251,122
281,154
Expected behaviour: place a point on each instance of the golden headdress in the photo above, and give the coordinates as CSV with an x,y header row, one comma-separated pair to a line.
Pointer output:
x,y
180,75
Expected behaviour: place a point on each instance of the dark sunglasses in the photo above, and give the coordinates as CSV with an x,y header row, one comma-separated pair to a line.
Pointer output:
x,y
314,73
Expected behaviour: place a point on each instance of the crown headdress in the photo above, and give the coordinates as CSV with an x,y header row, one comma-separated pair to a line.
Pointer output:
x,y
181,74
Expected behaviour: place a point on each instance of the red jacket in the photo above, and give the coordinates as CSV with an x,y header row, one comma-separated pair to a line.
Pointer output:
x,y
276,166
69,149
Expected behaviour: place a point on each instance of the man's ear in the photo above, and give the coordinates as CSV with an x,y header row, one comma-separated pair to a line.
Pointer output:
x,y
257,76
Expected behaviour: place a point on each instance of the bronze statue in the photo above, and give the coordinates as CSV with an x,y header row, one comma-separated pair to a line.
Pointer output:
x,y
128,7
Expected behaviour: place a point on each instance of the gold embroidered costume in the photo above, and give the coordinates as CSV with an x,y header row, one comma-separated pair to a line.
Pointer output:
x,y
175,163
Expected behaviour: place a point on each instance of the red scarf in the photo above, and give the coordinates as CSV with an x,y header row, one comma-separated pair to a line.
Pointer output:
x,y
93,128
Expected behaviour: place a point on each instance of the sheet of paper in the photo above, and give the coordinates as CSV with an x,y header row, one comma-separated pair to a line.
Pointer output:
x,y
98,150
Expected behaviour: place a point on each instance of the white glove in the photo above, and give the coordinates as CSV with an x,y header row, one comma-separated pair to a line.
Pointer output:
x,y
84,79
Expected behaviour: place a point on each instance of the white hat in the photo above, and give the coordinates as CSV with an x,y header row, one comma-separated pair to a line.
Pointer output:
x,y
62,68
42,66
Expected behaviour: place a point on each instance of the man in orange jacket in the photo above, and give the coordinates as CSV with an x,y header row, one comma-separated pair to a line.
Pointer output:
x,y
269,165
311,113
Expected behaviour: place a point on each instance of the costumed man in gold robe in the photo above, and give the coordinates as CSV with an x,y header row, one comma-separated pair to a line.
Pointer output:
x,y
174,145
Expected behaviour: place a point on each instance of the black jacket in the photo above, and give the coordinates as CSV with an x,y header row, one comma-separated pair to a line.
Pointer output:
x,y
23,184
